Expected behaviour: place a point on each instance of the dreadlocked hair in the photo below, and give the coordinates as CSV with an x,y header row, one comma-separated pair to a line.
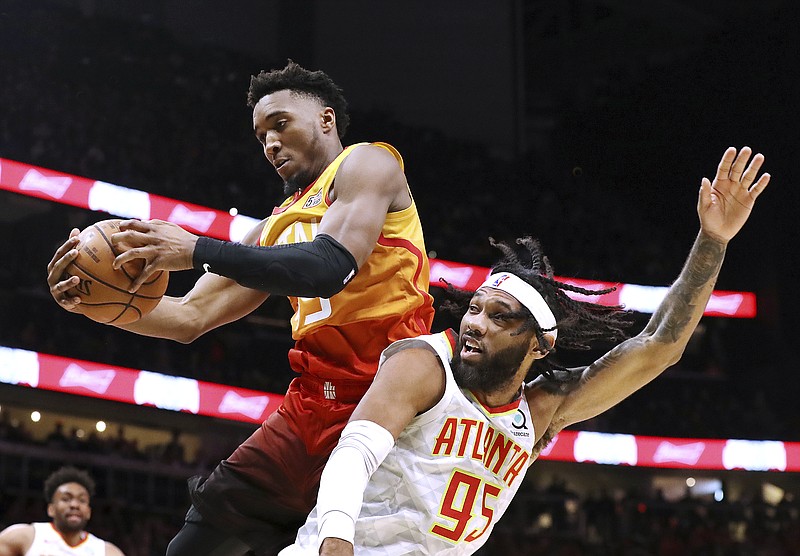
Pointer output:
x,y
299,80
67,474
580,324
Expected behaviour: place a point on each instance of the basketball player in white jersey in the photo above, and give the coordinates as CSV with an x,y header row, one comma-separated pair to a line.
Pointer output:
x,y
68,493
438,446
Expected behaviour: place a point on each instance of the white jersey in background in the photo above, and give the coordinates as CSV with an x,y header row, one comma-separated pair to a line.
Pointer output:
x,y
449,478
48,542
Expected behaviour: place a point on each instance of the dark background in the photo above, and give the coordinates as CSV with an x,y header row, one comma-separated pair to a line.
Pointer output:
x,y
585,124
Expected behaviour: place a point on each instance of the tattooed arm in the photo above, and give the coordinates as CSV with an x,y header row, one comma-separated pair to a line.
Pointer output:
x,y
723,208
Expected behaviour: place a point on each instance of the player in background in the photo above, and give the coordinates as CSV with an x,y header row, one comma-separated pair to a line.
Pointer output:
x,y
440,443
346,247
68,492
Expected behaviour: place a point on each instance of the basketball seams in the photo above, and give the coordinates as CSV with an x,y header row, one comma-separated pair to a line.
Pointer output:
x,y
125,310
112,286
113,224
105,297
114,252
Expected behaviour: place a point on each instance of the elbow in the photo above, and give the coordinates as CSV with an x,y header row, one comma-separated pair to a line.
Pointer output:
x,y
322,283
664,354
330,287
187,337
192,324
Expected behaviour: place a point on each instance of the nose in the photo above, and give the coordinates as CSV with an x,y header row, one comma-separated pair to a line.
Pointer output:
x,y
476,324
272,145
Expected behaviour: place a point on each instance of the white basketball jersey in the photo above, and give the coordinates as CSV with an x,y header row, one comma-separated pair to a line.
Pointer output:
x,y
48,542
449,478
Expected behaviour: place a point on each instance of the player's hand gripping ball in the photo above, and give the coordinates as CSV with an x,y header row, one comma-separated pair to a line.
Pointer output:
x,y
104,291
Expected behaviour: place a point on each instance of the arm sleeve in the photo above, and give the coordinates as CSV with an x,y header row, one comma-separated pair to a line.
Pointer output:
x,y
361,449
318,268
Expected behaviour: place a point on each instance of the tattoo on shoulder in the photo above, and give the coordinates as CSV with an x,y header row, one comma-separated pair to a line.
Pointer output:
x,y
607,361
562,382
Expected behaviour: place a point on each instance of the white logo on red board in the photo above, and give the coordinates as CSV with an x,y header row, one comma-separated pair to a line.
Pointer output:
x,y
97,381
240,227
727,304
53,186
122,201
754,455
252,406
687,454
19,366
459,276
167,392
200,220
549,448
611,449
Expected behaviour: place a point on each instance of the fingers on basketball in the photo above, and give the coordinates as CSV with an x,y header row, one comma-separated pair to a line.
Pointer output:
x,y
102,289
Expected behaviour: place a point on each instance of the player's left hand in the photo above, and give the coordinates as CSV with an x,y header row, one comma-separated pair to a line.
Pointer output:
x,y
162,245
725,205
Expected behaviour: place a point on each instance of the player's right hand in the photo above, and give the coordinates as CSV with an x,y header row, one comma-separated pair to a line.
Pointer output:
x,y
55,273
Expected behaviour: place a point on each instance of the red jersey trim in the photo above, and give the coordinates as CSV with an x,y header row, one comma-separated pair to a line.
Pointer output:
x,y
508,408
410,247
83,540
452,338
297,195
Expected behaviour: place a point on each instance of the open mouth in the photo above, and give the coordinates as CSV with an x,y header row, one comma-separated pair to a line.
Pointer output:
x,y
471,346
281,163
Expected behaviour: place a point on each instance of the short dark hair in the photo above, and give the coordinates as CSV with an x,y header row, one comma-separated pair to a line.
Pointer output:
x,y
67,474
580,324
302,81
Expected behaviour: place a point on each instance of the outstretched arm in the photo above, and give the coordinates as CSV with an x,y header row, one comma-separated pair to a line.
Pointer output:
x,y
723,207
212,301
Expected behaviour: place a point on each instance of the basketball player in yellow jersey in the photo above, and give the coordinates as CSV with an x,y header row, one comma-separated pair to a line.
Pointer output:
x,y
346,247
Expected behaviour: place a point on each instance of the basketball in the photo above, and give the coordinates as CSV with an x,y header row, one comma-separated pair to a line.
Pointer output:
x,y
103,290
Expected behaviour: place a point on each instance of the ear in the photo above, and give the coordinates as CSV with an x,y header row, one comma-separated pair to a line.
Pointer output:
x,y
328,119
51,511
538,352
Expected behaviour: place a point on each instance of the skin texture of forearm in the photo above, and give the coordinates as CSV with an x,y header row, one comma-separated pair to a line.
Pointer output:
x,y
213,301
163,323
637,361
676,317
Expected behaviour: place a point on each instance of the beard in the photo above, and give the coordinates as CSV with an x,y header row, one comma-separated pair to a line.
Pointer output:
x,y
304,177
492,372
297,182
67,526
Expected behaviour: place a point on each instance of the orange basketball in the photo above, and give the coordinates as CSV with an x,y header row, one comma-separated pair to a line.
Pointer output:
x,y
103,290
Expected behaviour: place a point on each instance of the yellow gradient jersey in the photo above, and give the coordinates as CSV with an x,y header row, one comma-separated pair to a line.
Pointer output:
x,y
342,337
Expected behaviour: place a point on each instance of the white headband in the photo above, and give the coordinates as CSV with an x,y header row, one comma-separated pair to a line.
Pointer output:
x,y
525,294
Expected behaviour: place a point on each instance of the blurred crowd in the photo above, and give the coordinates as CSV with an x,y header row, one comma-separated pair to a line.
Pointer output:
x,y
545,519
125,103
559,522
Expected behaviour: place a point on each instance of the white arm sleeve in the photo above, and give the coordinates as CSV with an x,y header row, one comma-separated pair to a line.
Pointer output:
x,y
361,449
